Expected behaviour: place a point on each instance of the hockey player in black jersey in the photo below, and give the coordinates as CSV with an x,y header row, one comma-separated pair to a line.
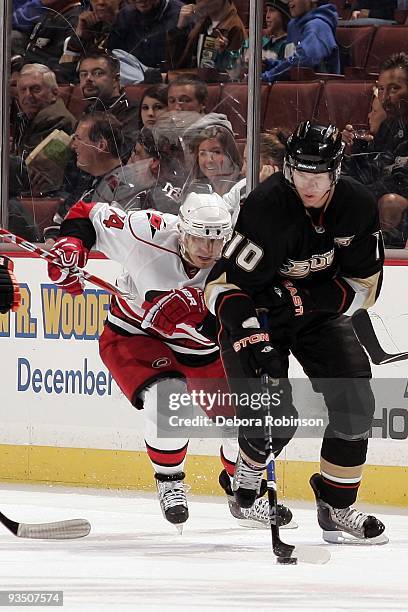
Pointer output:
x,y
307,247
10,296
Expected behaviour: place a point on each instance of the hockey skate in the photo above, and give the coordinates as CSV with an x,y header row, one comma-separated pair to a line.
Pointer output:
x,y
172,498
346,525
256,517
247,481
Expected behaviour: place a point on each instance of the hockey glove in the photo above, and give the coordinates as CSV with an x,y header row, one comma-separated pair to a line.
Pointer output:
x,y
177,306
69,253
10,296
250,345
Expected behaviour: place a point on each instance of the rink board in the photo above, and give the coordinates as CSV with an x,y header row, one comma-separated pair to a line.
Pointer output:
x,y
65,421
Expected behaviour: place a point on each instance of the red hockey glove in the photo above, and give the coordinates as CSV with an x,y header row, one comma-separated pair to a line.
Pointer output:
x,y
175,307
10,296
69,253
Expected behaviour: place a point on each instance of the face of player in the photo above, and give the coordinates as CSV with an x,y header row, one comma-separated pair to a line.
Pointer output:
x,y
212,160
34,94
313,189
202,252
376,116
273,19
299,7
96,79
393,91
183,98
150,110
144,6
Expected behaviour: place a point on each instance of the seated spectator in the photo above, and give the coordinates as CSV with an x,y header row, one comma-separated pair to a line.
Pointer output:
x,y
358,140
26,14
92,32
152,105
374,9
216,160
47,38
205,33
99,80
141,28
311,41
97,144
274,36
187,93
42,112
157,171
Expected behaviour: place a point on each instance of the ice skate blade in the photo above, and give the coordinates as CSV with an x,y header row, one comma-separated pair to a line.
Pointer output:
x,y
340,537
251,524
179,528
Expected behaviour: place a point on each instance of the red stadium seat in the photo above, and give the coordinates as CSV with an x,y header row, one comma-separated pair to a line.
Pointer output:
x,y
214,94
77,104
65,93
234,104
290,103
387,40
354,44
345,102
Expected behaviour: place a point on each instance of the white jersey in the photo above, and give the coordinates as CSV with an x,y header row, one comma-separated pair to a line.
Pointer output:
x,y
146,244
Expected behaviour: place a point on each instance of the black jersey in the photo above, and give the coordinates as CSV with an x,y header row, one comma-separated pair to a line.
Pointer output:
x,y
276,236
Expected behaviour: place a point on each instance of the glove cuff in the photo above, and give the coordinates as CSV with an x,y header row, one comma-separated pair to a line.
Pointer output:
x,y
233,308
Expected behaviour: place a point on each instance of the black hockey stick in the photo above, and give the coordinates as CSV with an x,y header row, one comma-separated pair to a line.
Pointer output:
x,y
286,554
58,530
367,337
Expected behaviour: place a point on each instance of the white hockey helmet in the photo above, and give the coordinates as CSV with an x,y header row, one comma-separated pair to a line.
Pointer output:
x,y
205,215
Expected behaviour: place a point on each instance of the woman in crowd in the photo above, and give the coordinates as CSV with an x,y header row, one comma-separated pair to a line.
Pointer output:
x,y
152,105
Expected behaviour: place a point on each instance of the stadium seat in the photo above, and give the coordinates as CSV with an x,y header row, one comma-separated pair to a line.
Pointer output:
x,y
345,102
135,92
214,94
65,93
290,103
387,40
354,44
234,104
77,104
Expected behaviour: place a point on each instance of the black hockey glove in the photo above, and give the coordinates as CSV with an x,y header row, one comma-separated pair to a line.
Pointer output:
x,y
10,297
251,354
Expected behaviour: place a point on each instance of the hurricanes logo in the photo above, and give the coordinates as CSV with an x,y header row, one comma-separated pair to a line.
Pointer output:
x,y
162,362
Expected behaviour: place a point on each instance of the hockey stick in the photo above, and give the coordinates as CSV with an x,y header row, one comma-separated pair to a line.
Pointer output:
x,y
286,554
367,337
58,530
79,272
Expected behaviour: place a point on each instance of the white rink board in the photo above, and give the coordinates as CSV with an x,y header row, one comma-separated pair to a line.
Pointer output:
x,y
42,412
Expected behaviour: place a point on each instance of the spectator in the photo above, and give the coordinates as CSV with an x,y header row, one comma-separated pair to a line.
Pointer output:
x,y
91,33
187,93
216,160
141,28
204,35
42,112
274,36
97,144
311,41
47,38
152,105
99,80
374,9
158,172
26,14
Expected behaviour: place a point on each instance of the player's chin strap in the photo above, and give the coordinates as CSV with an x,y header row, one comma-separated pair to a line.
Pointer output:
x,y
79,272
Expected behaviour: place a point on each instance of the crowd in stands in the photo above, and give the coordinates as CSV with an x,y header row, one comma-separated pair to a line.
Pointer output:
x,y
150,94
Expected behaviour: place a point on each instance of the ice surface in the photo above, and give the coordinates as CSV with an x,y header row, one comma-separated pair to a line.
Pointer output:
x,y
134,560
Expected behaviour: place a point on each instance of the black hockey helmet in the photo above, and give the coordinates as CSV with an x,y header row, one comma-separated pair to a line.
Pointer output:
x,y
314,148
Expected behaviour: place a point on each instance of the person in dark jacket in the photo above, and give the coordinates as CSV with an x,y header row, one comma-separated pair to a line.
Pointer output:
x,y
311,41
374,9
141,28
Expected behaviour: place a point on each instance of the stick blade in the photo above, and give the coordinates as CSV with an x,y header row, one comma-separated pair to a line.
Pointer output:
x,y
316,555
59,530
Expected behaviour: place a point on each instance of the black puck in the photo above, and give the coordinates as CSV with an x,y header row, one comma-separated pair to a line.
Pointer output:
x,y
286,560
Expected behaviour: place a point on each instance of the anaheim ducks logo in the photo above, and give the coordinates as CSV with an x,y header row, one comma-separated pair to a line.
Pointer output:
x,y
300,269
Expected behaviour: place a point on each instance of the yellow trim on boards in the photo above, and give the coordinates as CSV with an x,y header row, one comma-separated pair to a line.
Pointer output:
x,y
88,467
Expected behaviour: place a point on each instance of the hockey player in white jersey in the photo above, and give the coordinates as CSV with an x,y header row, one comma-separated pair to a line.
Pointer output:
x,y
151,343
